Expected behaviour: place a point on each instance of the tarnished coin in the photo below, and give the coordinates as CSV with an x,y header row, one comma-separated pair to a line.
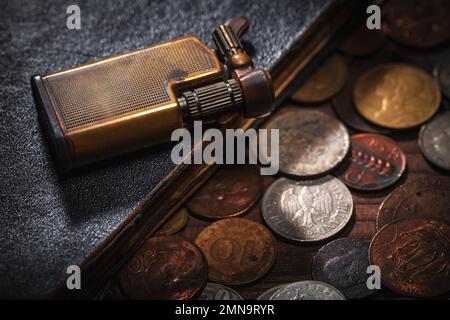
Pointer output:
x,y
308,210
362,42
268,294
343,264
311,142
238,251
434,140
232,191
324,82
425,197
166,267
413,256
396,96
174,224
376,162
215,291
442,73
308,290
417,23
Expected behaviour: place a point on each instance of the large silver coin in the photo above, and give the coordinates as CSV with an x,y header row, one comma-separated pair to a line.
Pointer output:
x,y
434,140
311,142
267,295
215,291
309,290
308,210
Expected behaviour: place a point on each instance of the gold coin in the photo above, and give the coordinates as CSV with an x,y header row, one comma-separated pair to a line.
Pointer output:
x,y
327,80
174,224
396,96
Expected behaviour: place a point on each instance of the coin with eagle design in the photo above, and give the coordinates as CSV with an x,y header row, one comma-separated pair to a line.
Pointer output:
x,y
308,210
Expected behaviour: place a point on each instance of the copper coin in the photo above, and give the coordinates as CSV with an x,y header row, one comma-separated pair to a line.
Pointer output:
x,y
396,96
238,251
165,268
362,42
425,197
417,23
413,256
343,264
311,142
232,191
174,224
376,162
324,82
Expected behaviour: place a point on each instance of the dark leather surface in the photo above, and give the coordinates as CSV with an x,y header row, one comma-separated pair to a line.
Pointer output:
x,y
48,223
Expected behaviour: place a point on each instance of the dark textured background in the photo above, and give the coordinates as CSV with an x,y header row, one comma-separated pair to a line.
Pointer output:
x,y
48,223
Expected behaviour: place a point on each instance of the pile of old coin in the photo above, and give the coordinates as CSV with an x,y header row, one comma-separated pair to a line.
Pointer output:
x,y
376,90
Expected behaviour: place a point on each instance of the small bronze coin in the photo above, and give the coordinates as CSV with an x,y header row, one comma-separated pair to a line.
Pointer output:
x,y
165,268
434,140
324,82
396,96
307,210
238,251
215,291
413,256
232,191
362,42
343,264
442,73
174,224
417,23
343,102
424,197
311,142
376,162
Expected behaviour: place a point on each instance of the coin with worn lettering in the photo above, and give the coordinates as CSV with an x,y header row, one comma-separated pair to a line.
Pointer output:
x,y
174,224
215,291
238,250
310,142
268,294
362,42
165,268
417,23
413,256
232,191
375,162
442,73
308,290
324,82
396,96
307,210
425,197
343,264
434,140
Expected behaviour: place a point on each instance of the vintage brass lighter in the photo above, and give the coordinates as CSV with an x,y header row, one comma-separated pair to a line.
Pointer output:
x,y
133,100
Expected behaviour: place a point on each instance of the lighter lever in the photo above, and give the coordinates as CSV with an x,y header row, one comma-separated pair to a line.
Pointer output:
x,y
134,100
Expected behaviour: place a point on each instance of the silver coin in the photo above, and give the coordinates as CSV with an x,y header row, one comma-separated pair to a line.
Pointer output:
x,y
311,142
343,264
307,210
215,291
434,140
442,73
267,295
309,290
